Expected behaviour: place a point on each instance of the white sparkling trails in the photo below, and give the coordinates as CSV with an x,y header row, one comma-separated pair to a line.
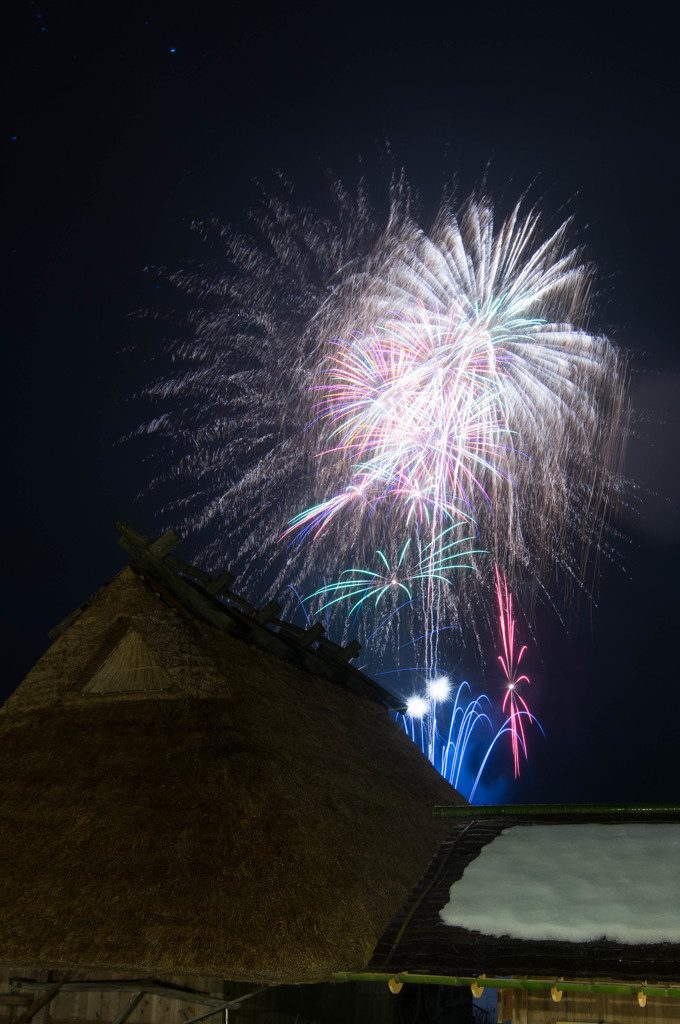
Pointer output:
x,y
360,385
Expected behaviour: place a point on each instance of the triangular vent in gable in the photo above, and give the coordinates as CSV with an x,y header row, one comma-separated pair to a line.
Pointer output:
x,y
129,668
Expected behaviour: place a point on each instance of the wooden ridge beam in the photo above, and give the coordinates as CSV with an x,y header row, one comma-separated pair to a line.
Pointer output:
x,y
212,601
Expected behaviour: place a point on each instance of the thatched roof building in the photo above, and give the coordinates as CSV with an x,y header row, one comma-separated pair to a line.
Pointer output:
x,y
190,786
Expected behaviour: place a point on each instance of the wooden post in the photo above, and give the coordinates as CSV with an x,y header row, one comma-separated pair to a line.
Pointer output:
x,y
219,584
314,632
128,1008
269,612
166,543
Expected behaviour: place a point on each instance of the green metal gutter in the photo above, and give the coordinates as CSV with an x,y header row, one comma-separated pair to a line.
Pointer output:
x,y
534,984
546,810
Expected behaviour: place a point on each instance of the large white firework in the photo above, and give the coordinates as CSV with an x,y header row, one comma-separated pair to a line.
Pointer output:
x,y
351,384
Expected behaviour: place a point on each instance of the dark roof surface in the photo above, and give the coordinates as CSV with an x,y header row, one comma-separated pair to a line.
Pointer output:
x,y
417,941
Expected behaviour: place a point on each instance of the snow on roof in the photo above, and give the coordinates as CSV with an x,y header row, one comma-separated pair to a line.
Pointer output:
x,y
574,883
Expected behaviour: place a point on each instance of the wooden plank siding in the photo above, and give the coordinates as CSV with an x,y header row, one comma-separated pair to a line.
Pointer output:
x,y
90,1006
590,1008
332,1003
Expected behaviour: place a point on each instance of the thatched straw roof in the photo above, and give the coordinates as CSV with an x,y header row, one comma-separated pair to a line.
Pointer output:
x,y
179,800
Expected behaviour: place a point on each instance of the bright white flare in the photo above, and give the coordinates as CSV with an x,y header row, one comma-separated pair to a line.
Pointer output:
x,y
417,707
439,689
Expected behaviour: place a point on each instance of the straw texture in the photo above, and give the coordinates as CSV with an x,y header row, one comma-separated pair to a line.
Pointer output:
x,y
175,801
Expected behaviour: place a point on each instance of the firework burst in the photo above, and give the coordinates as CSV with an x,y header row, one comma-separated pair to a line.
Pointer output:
x,y
391,595
450,752
415,411
352,386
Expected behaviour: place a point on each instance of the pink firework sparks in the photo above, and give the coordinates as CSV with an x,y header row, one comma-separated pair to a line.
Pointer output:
x,y
413,416
514,704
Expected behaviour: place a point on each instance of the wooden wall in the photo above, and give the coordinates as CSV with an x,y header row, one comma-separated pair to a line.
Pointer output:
x,y
332,1003
344,1003
70,1007
584,1008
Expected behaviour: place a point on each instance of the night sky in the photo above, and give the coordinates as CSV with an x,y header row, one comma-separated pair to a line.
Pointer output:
x,y
127,122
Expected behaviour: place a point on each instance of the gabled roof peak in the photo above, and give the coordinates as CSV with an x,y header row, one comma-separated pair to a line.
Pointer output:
x,y
212,601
